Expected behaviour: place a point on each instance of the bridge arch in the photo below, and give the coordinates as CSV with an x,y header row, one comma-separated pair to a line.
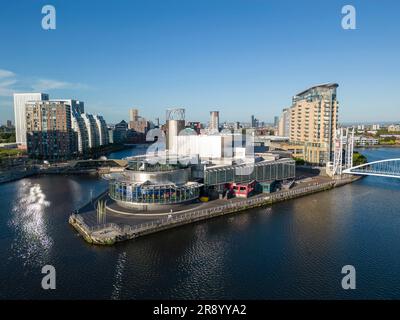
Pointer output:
x,y
382,168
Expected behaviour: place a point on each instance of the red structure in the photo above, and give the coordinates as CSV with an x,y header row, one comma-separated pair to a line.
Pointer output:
x,y
242,190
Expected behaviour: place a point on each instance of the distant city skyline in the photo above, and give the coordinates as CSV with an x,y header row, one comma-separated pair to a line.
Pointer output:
x,y
195,55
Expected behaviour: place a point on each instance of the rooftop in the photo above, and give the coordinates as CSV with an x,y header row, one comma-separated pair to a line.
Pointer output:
x,y
325,85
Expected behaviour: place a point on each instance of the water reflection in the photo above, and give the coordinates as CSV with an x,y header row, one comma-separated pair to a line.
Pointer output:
x,y
292,249
32,242
119,272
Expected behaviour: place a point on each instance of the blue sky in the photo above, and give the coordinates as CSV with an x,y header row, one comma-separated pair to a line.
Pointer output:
x,y
241,57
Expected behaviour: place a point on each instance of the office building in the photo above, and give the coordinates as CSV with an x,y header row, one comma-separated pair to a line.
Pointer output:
x,y
49,132
20,100
119,133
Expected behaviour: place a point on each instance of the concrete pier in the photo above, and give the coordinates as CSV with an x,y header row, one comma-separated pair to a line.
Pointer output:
x,y
122,227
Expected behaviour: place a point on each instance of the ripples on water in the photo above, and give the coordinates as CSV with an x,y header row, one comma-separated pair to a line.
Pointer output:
x,y
294,249
119,272
32,241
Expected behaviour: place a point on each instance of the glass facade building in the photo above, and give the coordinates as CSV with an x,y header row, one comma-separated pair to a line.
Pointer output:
x,y
153,184
153,194
262,171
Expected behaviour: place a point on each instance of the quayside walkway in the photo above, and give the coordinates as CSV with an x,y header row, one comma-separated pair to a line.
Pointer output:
x,y
121,227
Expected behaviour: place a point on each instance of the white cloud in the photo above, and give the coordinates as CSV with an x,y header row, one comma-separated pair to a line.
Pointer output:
x,y
7,80
11,83
49,84
6,74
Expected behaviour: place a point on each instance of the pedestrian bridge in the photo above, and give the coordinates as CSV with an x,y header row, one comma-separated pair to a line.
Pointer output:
x,y
383,168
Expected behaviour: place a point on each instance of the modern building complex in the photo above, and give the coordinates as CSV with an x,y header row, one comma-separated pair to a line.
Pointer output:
x,y
263,170
151,185
212,165
313,122
49,132
20,100
56,128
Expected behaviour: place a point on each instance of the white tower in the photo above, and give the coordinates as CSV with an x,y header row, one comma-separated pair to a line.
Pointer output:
x,y
344,141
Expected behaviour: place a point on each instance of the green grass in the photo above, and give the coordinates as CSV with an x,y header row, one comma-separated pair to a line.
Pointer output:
x,y
6,153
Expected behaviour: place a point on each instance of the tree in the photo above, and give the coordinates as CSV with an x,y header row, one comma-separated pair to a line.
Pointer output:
x,y
358,159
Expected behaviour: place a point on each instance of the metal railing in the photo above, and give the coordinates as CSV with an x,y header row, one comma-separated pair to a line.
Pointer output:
x,y
223,209
197,215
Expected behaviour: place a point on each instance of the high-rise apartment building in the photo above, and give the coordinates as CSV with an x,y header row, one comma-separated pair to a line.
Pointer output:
x,y
284,123
276,121
214,121
20,101
76,105
92,130
78,126
102,130
48,128
133,114
81,143
313,122
137,123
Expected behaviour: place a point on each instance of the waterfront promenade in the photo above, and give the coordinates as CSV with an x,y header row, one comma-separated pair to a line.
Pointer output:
x,y
121,227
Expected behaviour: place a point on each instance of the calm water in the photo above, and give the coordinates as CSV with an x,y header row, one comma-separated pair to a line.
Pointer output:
x,y
291,250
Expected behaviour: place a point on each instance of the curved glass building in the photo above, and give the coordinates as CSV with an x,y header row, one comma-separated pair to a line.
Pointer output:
x,y
153,185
